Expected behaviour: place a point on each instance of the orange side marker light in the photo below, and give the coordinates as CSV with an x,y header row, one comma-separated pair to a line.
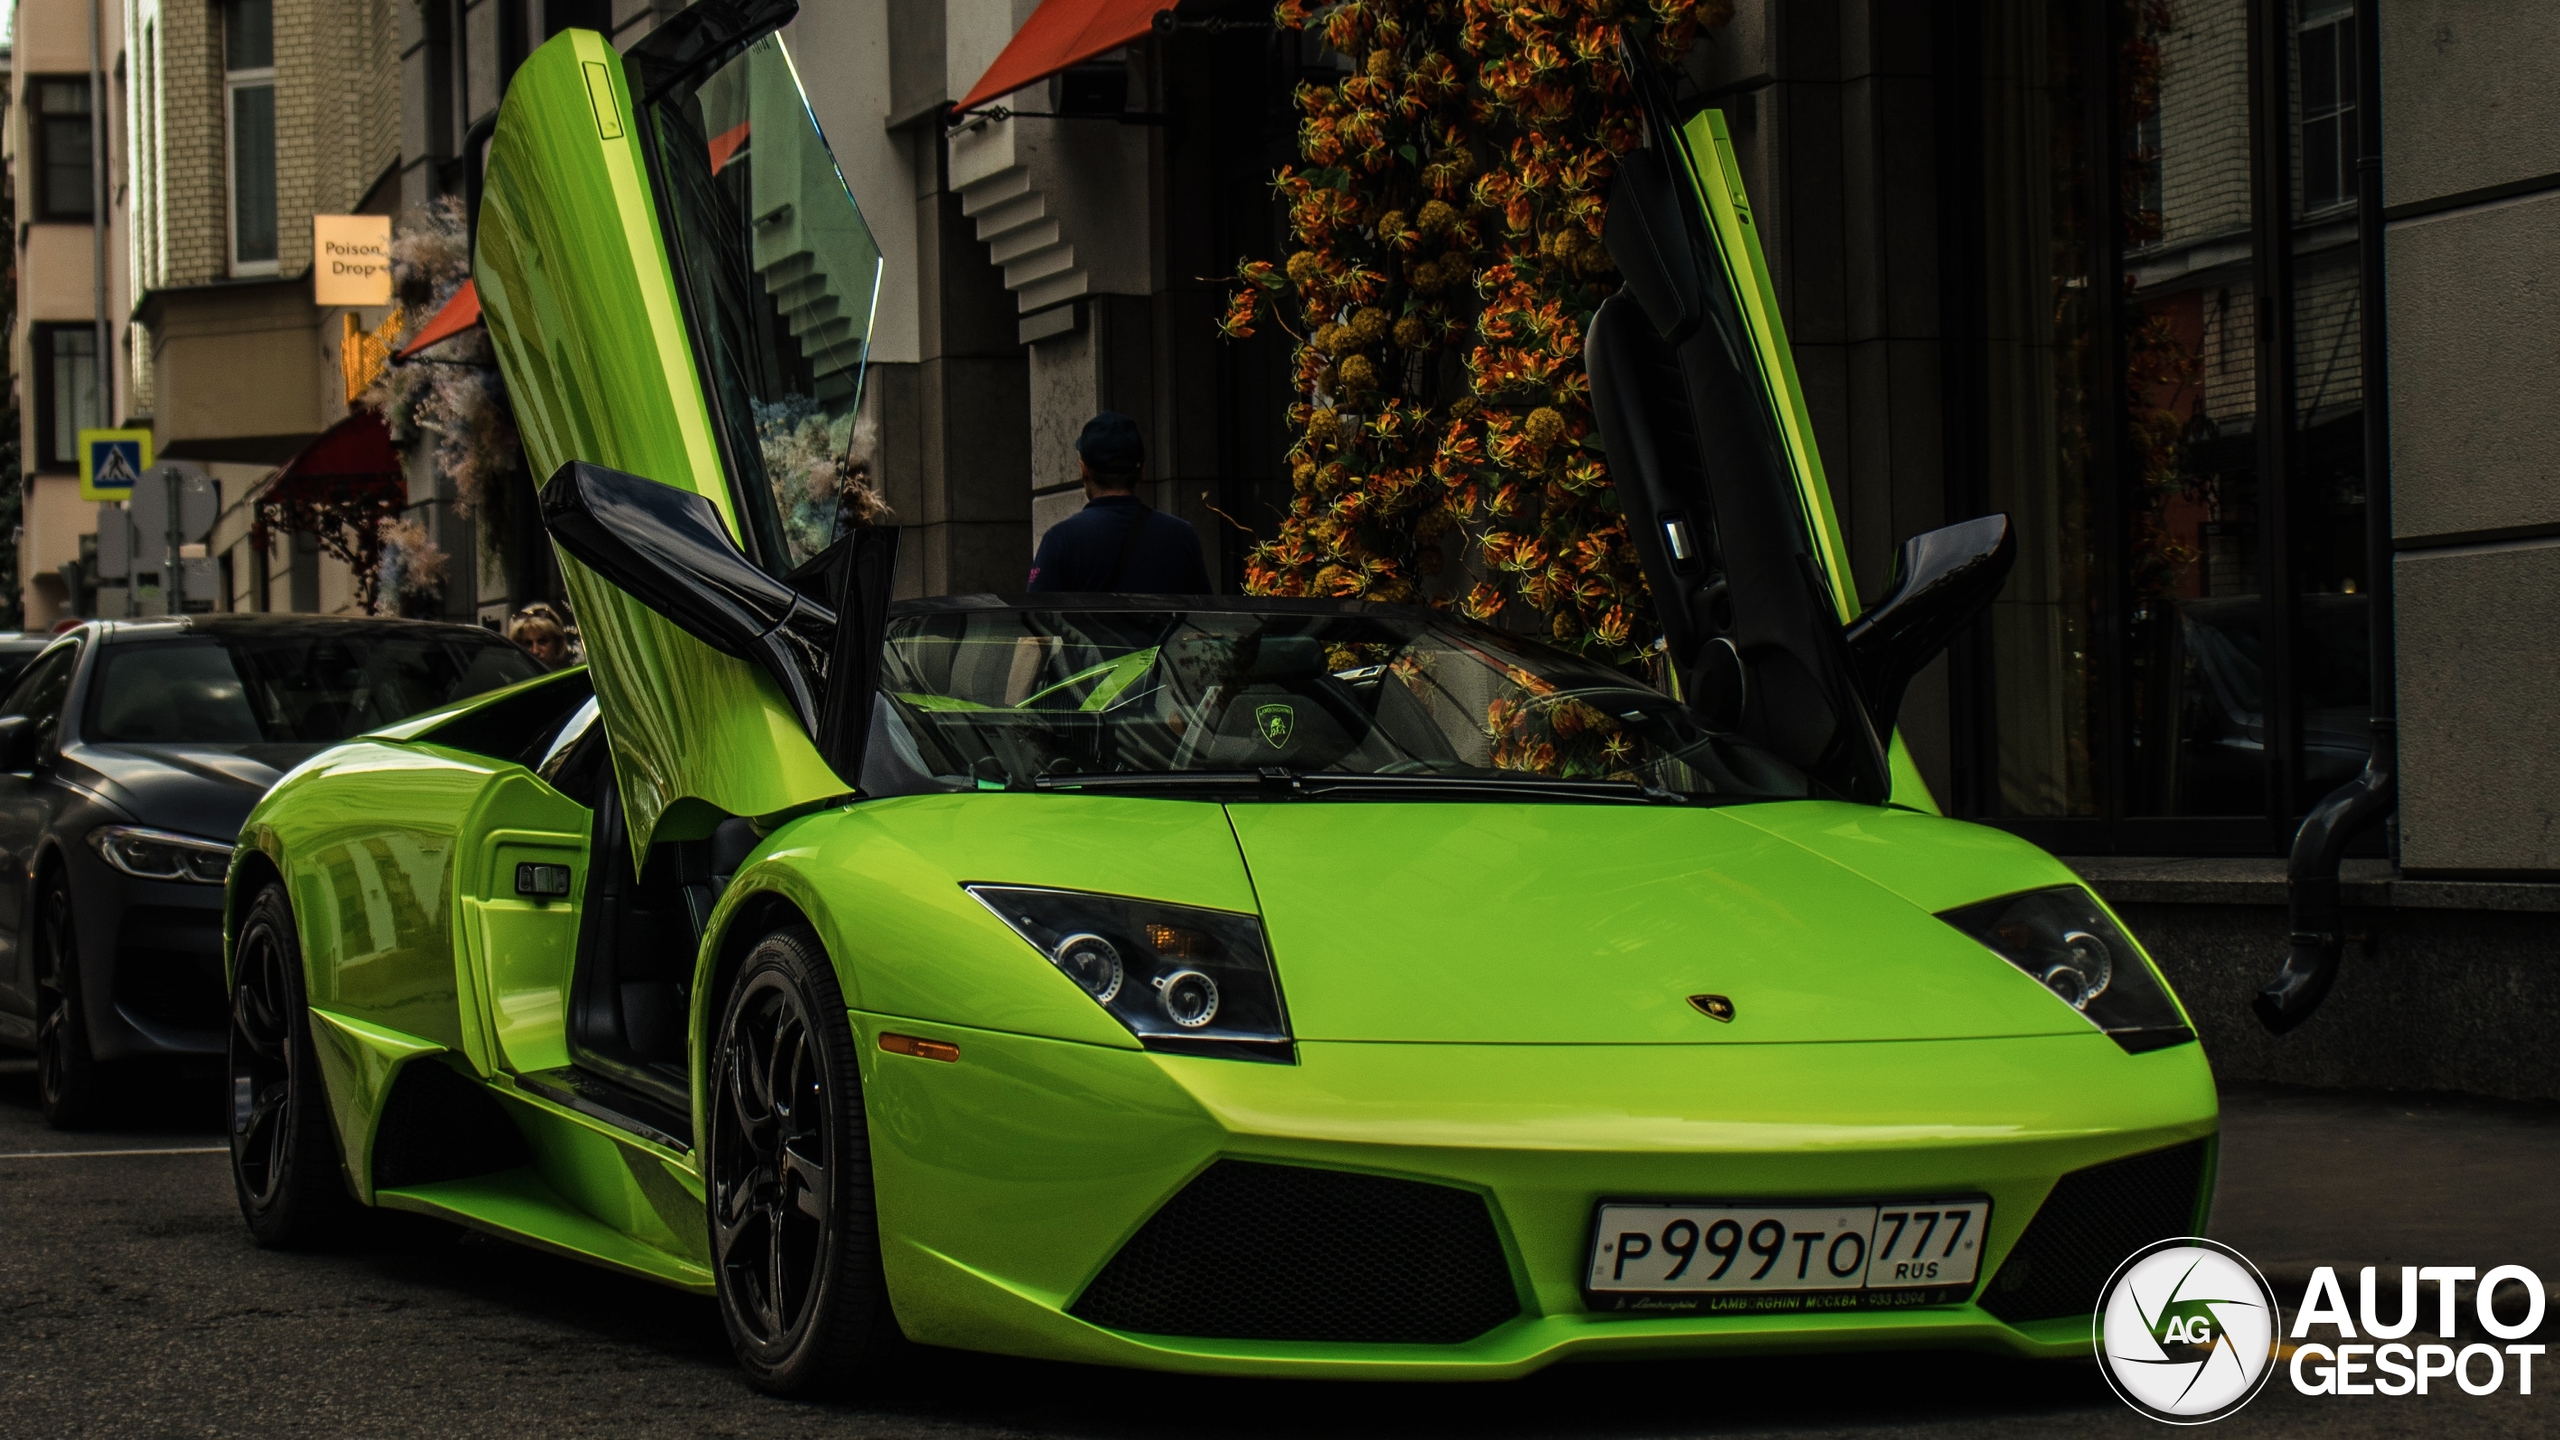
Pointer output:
x,y
922,1049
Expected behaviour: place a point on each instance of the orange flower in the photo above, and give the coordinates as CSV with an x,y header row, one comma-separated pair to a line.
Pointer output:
x,y
1429,212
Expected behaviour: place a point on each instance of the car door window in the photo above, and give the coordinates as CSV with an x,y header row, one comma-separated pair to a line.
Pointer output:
x,y
40,692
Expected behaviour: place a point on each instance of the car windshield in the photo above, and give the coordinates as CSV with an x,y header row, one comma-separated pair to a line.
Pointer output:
x,y
780,276
294,687
1023,698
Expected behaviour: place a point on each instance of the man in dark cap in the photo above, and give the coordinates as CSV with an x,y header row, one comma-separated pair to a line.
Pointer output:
x,y
1118,544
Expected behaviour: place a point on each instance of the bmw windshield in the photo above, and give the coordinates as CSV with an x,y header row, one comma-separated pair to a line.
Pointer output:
x,y
290,686
1313,697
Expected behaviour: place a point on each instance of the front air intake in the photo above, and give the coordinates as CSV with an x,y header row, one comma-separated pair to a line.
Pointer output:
x,y
2090,1224
1277,1252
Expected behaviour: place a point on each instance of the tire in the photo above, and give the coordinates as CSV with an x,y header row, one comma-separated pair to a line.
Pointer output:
x,y
795,1241
74,1089
284,1154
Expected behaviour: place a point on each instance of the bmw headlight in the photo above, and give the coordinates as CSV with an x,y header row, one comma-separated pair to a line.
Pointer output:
x,y
1192,981
160,855
2062,938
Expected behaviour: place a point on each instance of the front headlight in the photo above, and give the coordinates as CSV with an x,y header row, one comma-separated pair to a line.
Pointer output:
x,y
1193,981
160,855
2062,938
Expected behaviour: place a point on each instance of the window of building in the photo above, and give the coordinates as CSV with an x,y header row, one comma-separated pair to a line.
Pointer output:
x,y
66,391
249,83
2163,391
60,122
2326,63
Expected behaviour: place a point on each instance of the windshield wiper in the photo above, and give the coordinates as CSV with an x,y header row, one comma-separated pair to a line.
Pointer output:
x,y
1280,781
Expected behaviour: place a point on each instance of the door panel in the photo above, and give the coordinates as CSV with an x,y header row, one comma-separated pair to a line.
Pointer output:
x,y
583,311
523,943
1711,453
371,875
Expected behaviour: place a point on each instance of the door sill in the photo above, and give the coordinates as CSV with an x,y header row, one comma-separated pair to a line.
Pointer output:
x,y
617,1105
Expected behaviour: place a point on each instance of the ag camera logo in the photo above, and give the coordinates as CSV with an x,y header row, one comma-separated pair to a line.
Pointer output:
x,y
2185,1331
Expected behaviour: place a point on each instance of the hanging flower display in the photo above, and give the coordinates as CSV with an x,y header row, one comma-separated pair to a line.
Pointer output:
x,y
452,394
412,566
1447,213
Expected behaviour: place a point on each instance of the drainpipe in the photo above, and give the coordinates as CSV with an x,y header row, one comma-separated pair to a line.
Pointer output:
x,y
2318,913
98,120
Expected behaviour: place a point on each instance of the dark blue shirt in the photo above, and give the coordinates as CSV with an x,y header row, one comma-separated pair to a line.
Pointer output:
x,y
1077,554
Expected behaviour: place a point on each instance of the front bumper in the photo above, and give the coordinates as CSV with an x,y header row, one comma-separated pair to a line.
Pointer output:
x,y
1009,1179
150,961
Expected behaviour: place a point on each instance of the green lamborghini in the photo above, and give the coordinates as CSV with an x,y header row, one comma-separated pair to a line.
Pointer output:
x,y
1228,985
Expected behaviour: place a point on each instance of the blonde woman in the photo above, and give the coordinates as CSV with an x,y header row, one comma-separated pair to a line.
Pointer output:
x,y
541,637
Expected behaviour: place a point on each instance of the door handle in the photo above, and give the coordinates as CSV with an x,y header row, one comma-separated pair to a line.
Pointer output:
x,y
542,882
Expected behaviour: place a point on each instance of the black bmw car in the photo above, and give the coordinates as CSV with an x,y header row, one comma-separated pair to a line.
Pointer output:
x,y
130,751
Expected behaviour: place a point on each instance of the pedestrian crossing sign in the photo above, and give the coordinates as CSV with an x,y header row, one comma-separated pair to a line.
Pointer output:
x,y
111,461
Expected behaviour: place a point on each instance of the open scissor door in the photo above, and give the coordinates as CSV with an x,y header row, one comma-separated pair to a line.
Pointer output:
x,y
680,288
1712,455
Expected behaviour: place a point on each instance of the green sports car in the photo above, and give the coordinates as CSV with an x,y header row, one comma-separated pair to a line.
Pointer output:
x,y
1243,986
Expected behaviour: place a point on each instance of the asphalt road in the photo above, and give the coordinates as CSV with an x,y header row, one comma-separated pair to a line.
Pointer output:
x,y
133,1304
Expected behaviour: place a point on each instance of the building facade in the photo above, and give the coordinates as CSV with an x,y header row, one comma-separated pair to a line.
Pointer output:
x,y
65,361
242,120
2108,268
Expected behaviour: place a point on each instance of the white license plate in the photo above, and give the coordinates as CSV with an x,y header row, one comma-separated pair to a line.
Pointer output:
x,y
1771,1250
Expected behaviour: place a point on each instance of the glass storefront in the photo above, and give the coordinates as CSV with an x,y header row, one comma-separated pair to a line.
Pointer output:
x,y
2171,396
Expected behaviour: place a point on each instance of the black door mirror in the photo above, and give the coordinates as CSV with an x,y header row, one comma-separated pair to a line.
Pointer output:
x,y
668,549
19,742
1941,581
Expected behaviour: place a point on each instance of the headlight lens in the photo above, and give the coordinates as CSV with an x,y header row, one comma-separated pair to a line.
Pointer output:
x,y
160,855
1193,981
2062,938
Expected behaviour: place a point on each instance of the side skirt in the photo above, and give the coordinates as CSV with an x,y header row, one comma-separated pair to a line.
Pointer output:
x,y
520,1205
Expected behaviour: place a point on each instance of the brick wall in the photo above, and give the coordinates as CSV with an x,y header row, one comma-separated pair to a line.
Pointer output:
x,y
194,205
337,112
337,129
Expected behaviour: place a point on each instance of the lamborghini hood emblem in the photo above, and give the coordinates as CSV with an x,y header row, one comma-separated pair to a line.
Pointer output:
x,y
1714,1007
1275,723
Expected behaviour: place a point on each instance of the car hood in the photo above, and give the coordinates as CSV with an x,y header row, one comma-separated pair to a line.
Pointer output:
x,y
194,789
1595,924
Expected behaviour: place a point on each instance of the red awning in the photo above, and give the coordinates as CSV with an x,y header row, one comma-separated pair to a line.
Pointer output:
x,y
1059,34
351,475
356,448
459,314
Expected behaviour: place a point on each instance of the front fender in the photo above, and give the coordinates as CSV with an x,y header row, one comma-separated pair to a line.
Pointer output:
x,y
880,881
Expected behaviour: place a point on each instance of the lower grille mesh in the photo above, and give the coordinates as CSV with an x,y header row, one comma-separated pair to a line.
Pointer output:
x,y
2091,1222
1278,1252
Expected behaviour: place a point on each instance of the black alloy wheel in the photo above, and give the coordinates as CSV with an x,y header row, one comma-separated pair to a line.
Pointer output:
x,y
794,1238
284,1160
70,1082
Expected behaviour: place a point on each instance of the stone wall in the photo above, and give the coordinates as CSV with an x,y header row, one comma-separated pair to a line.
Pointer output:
x,y
2445,985
2471,169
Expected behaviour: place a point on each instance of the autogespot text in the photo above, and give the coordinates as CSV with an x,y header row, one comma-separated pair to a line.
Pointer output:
x,y
2365,1354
